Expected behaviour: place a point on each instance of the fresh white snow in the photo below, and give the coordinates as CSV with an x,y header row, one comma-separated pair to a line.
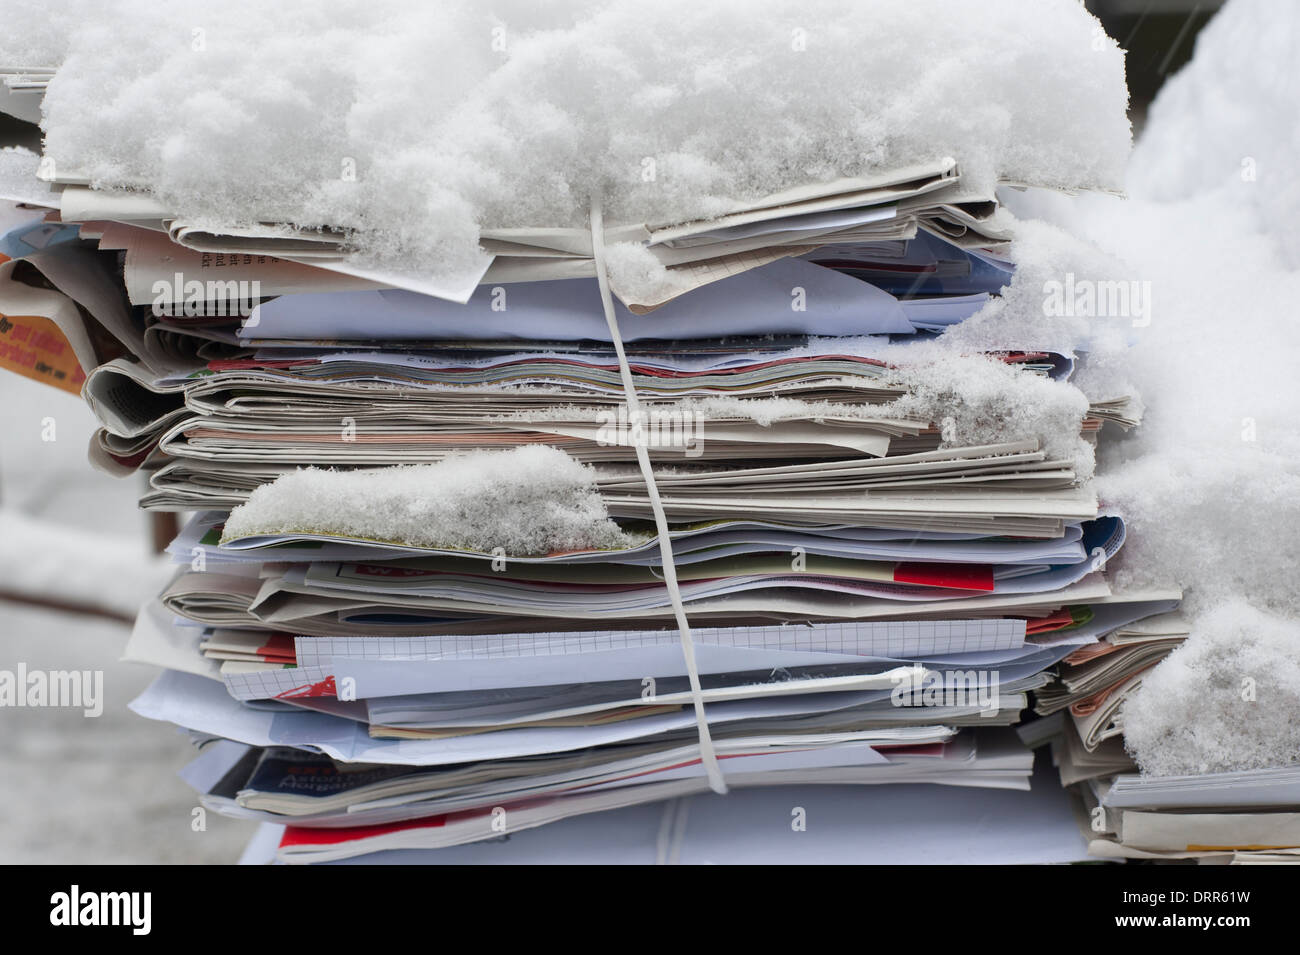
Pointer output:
x,y
526,501
413,125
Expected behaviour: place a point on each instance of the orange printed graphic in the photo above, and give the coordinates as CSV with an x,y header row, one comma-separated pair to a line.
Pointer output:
x,y
33,346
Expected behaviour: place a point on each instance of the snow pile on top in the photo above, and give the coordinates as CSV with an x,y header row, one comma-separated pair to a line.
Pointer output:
x,y
527,501
413,125
1228,699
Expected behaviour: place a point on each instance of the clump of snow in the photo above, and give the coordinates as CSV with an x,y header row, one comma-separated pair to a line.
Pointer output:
x,y
1228,699
526,501
411,126
1044,307
1218,516
631,266
975,399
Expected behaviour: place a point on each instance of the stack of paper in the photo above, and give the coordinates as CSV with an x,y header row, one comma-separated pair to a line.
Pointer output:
x,y
527,358
868,600
1242,817
475,552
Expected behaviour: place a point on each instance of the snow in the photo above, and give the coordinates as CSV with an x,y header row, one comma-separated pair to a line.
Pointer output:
x,y
1018,320
526,501
633,266
1225,700
1227,123
975,400
414,125
1210,483
37,32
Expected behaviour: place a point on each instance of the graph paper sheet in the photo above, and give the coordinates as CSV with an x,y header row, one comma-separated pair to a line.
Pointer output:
x,y
902,639
538,659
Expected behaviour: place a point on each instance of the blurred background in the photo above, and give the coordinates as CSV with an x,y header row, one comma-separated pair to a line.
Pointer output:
x,y
1159,36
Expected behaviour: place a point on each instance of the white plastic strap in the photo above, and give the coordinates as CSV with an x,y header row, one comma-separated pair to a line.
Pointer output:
x,y
707,754
665,830
678,838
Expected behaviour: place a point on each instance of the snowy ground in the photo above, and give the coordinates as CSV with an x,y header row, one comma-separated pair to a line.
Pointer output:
x,y
79,790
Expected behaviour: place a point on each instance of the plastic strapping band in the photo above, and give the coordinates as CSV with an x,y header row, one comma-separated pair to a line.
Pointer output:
x,y
666,821
679,833
707,755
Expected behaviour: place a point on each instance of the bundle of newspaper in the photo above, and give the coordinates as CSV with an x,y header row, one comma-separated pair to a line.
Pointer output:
x,y
478,551
481,641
